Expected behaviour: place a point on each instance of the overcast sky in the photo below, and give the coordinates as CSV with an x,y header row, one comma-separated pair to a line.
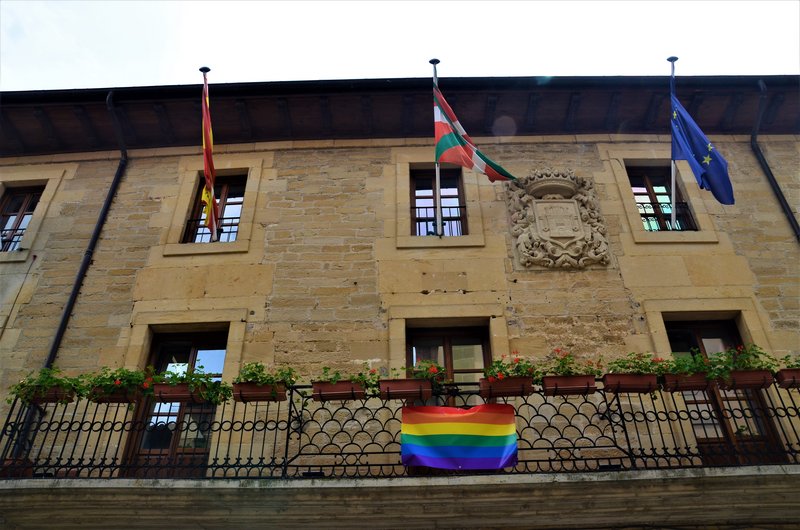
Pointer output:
x,y
63,44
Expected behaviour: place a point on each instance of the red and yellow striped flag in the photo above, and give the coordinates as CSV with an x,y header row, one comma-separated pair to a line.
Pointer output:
x,y
210,208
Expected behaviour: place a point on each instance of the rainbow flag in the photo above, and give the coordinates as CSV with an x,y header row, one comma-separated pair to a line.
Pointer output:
x,y
482,437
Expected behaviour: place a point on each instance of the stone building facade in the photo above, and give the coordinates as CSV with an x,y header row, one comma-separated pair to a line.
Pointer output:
x,y
326,269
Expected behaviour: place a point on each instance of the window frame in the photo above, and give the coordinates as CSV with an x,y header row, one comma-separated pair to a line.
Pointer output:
x,y
222,190
428,176
449,335
649,174
49,176
30,194
191,175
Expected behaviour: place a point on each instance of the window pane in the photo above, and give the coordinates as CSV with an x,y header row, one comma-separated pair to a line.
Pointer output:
x,y
210,360
431,349
467,356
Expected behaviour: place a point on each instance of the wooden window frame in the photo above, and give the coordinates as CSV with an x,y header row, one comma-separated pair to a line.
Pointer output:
x,y
648,176
428,176
31,197
481,333
196,232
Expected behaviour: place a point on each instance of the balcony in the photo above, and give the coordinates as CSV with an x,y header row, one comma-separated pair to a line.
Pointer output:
x,y
359,439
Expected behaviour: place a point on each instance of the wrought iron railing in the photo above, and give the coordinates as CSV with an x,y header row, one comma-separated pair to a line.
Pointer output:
x,y
10,239
198,232
658,216
453,218
302,438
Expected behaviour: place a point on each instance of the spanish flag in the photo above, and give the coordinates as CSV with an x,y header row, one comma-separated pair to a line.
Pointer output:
x,y
210,208
482,437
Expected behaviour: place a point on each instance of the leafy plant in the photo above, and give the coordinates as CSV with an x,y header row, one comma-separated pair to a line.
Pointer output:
x,y
790,361
687,364
563,362
31,388
200,383
514,366
366,377
742,357
258,373
108,381
638,363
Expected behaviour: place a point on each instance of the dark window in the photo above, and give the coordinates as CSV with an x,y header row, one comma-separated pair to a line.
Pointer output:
x,y
16,211
653,194
423,205
177,436
463,351
229,191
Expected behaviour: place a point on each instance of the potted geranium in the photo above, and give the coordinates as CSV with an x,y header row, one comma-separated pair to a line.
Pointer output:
x,y
191,387
686,372
508,376
636,372
256,382
50,385
333,386
564,374
119,386
426,378
789,376
743,367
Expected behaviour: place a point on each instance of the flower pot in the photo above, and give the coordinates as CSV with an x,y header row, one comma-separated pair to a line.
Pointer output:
x,y
341,390
508,386
788,378
568,385
633,383
55,395
405,388
16,468
179,393
747,379
117,395
247,392
685,383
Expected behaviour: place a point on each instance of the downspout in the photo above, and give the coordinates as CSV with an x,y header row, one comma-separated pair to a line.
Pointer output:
x,y
89,252
776,189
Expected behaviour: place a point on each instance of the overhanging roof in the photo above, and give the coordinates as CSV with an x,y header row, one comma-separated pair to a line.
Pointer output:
x,y
63,121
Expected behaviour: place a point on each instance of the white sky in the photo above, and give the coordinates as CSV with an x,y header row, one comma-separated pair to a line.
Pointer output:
x,y
65,44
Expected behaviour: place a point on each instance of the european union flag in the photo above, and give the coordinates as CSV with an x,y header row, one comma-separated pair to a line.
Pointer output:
x,y
690,144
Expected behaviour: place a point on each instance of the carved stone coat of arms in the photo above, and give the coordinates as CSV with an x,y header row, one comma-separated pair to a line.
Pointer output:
x,y
556,221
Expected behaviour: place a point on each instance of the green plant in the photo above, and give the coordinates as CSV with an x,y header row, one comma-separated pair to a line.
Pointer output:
x,y
687,363
366,377
790,361
204,385
514,366
563,362
258,373
427,369
31,388
108,381
742,357
637,363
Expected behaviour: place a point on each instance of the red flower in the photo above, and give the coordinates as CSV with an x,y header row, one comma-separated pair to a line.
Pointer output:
x,y
516,360
117,382
658,360
492,379
500,377
373,371
145,385
433,370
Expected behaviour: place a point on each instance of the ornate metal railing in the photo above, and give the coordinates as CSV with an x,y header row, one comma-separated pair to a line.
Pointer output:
x,y
302,438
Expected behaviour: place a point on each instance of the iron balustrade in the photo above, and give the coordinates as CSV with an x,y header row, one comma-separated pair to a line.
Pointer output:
x,y
198,232
301,438
658,216
452,220
10,239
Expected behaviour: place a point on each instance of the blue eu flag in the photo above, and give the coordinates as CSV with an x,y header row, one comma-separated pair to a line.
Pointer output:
x,y
690,144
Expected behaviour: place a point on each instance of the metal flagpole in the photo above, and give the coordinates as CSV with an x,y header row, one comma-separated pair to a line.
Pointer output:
x,y
671,156
437,186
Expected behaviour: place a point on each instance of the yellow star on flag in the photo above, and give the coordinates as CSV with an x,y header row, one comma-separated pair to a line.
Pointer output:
x,y
707,160
674,114
710,147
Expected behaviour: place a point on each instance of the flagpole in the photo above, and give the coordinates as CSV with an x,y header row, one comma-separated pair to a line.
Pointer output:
x,y
671,157
437,187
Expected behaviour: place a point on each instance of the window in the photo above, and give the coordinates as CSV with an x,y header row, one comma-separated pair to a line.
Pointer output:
x,y
229,191
423,203
653,195
721,419
177,436
463,351
16,210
